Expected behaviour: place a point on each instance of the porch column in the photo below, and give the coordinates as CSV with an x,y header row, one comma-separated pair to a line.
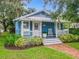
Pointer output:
x,y
56,29
21,28
41,28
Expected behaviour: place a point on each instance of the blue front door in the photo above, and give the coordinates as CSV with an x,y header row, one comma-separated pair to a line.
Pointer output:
x,y
48,28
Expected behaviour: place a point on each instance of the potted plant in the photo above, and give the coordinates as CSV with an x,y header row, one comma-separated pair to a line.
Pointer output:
x,y
44,35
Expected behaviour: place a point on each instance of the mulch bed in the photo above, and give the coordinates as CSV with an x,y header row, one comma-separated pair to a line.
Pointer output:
x,y
18,48
14,48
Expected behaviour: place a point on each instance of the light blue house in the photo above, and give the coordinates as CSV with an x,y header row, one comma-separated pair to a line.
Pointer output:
x,y
39,24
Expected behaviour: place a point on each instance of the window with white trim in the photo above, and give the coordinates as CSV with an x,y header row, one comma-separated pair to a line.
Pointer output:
x,y
26,25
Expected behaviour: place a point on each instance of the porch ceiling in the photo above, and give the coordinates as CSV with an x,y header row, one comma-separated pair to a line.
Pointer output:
x,y
32,18
37,19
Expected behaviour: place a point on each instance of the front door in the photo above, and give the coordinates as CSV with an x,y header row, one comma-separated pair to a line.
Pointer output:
x,y
37,29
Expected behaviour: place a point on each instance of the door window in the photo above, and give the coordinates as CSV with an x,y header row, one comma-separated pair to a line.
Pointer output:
x,y
36,26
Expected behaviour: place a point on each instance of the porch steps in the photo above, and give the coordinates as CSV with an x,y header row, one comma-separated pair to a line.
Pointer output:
x,y
49,41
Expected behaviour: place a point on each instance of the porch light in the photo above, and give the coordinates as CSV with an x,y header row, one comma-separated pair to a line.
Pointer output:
x,y
58,20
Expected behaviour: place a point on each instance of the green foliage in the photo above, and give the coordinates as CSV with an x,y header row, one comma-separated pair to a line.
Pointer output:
x,y
28,42
9,10
18,41
68,9
10,39
21,42
66,25
36,41
74,31
69,38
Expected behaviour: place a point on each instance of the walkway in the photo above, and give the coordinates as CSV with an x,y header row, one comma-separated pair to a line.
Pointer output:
x,y
66,48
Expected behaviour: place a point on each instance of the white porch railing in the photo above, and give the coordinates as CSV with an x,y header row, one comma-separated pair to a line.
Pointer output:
x,y
64,31
31,33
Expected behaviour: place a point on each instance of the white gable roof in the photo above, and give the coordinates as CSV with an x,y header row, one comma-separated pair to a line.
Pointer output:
x,y
36,16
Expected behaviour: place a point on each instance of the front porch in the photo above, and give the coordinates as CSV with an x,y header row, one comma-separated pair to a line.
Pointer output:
x,y
42,29
37,28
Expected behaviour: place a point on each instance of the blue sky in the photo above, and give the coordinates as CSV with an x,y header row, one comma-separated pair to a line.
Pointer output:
x,y
37,4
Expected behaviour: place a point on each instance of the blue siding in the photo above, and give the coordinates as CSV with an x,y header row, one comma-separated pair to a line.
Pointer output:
x,y
18,27
46,26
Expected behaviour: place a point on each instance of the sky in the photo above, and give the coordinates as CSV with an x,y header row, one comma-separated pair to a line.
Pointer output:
x,y
37,4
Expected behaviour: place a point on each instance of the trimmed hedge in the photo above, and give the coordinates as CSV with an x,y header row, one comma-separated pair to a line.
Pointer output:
x,y
36,41
21,42
28,42
74,31
69,38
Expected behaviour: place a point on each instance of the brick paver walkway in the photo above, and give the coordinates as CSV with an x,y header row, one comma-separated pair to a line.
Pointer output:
x,y
66,48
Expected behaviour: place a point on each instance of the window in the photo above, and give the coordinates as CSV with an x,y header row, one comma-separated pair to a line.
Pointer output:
x,y
26,25
36,26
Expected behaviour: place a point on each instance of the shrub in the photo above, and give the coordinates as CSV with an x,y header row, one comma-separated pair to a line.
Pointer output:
x,y
21,42
18,41
10,39
36,41
74,31
69,38
29,42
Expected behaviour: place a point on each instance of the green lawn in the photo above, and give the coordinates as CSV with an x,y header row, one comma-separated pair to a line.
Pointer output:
x,y
74,45
31,53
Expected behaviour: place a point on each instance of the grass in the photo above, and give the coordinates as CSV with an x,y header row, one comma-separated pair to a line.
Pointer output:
x,y
31,53
74,45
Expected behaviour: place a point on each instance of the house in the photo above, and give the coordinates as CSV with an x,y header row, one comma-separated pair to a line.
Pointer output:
x,y
39,24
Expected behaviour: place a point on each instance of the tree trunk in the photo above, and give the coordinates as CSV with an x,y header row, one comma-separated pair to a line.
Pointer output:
x,y
4,23
5,28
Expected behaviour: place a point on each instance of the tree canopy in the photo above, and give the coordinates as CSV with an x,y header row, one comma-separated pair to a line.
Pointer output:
x,y
68,8
10,9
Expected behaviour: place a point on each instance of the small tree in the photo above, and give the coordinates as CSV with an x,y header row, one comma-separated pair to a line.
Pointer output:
x,y
10,9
